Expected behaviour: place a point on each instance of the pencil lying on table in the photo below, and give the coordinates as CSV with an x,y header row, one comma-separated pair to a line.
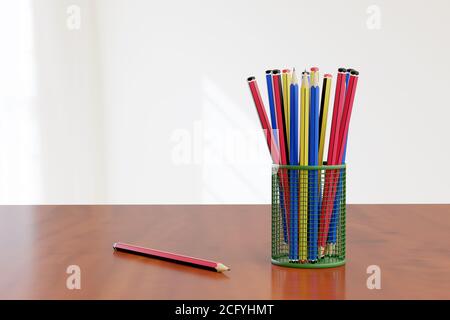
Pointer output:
x,y
172,257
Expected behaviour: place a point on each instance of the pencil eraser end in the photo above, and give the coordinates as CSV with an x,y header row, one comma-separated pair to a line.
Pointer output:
x,y
315,69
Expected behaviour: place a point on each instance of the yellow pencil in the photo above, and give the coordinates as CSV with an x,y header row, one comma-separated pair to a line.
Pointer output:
x,y
304,134
325,101
286,78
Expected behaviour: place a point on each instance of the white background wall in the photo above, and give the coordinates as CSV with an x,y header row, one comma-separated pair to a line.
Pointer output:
x,y
147,101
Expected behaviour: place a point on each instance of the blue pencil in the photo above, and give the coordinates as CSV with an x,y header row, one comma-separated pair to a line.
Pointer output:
x,y
273,120
293,160
273,117
313,155
332,233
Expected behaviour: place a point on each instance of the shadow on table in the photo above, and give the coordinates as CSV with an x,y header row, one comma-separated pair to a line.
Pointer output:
x,y
292,283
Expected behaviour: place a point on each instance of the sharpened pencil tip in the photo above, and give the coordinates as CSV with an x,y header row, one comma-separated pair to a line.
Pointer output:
x,y
305,81
294,79
221,267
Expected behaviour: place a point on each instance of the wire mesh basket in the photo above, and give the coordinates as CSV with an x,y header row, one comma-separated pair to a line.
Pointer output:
x,y
308,216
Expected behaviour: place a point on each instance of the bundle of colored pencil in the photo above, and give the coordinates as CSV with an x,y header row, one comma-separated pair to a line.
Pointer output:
x,y
297,137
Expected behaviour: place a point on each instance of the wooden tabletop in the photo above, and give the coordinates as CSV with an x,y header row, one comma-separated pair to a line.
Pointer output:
x,y
410,243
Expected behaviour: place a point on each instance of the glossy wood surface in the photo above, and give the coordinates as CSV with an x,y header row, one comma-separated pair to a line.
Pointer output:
x,y
410,243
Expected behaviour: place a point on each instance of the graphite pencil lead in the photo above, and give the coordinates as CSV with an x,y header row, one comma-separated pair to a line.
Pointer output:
x,y
221,267
305,82
294,79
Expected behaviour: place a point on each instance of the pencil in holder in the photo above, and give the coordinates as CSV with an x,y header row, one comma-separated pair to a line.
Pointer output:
x,y
308,216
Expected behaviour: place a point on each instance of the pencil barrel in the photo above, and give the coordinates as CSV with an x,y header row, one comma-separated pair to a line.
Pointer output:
x,y
316,214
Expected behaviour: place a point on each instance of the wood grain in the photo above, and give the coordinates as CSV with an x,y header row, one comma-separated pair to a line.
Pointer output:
x,y
409,242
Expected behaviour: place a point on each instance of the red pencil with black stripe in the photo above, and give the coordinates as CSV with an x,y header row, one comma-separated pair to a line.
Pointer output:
x,y
171,257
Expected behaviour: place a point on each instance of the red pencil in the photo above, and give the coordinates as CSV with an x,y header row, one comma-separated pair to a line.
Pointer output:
x,y
339,99
282,139
172,257
281,120
331,176
278,157
265,124
347,113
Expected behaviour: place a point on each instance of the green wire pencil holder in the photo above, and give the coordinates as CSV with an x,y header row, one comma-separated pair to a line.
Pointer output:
x,y
308,216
